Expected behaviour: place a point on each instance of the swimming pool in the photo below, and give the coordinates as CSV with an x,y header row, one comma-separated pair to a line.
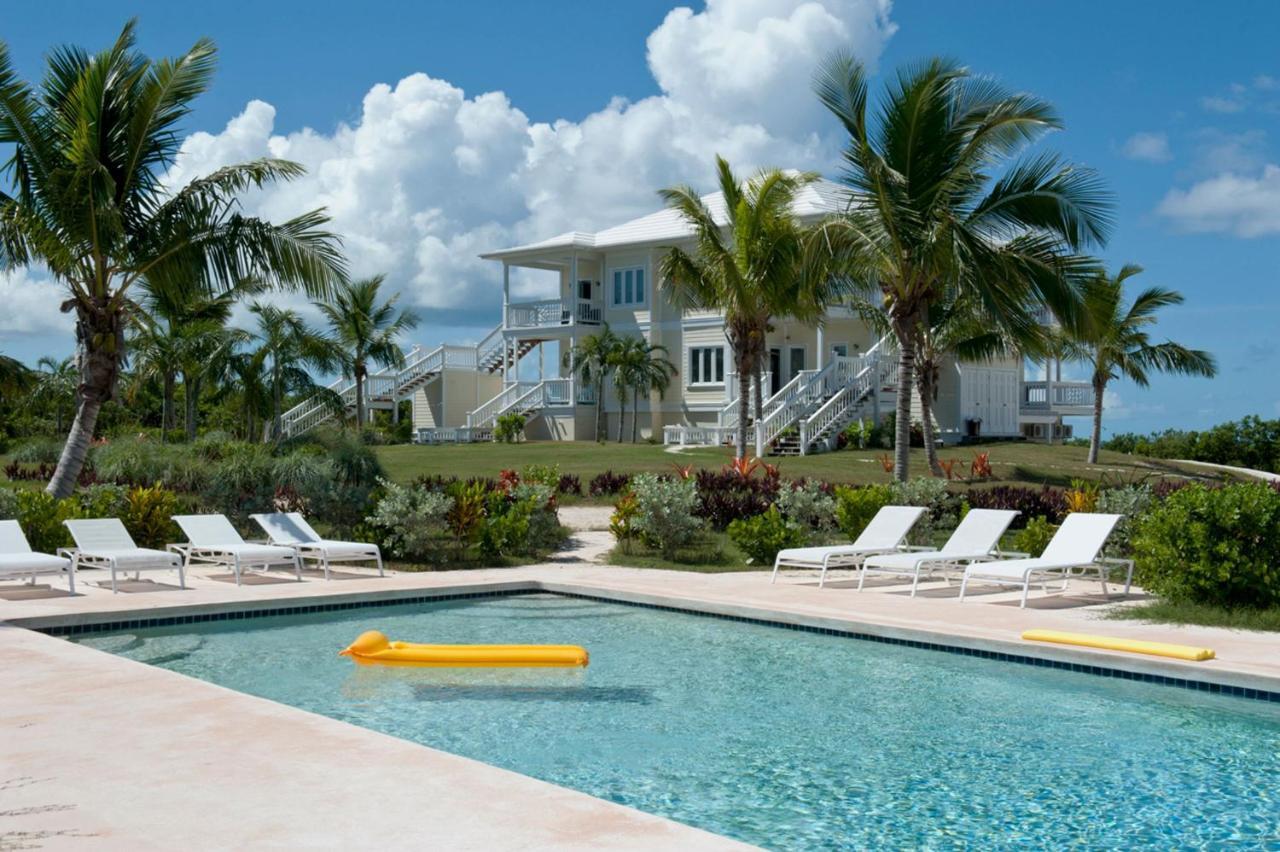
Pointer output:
x,y
782,738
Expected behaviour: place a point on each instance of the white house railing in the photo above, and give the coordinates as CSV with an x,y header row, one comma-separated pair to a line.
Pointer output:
x,y
549,313
1064,394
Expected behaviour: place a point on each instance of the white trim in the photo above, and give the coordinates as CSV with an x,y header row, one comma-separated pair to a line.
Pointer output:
x,y
704,383
647,284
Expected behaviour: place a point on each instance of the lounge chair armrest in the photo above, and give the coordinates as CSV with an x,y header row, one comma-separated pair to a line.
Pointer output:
x,y
911,547
1112,560
67,552
1016,554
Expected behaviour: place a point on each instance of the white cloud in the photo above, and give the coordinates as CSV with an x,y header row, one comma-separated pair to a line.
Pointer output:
x,y
1152,147
1241,204
32,305
427,177
1218,151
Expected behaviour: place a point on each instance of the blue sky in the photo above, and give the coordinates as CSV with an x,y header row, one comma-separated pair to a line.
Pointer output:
x,y
1176,103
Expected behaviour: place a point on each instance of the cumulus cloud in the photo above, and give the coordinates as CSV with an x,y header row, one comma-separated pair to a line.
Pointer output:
x,y
32,304
428,176
1152,147
1246,205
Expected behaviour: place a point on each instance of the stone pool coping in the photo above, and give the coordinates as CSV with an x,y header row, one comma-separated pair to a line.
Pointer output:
x,y
100,746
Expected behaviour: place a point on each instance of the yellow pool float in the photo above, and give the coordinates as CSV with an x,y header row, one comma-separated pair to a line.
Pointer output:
x,y
1111,643
373,648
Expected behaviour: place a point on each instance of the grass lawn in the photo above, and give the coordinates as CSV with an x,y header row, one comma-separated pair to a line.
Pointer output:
x,y
1013,463
714,553
1167,612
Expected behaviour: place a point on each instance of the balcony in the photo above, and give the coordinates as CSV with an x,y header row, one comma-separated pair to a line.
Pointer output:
x,y
1074,399
554,313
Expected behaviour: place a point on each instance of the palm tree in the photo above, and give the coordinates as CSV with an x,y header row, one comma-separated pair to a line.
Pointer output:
x,y
90,148
14,375
286,348
591,359
1113,339
924,218
55,386
758,264
639,367
365,331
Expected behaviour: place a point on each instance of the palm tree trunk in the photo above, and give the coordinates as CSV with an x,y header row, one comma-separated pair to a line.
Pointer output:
x,y
359,402
101,339
904,330
635,413
924,376
744,402
166,405
600,436
1095,440
277,392
192,388
622,410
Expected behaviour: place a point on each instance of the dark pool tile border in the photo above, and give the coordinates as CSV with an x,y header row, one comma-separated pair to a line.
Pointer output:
x,y
70,630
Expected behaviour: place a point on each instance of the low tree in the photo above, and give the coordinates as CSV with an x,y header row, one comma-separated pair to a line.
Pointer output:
x,y
55,387
591,360
90,150
364,331
639,367
1113,338
286,350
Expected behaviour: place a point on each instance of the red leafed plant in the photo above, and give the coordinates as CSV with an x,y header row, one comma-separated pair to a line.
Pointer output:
x,y
742,466
886,463
948,466
981,467
507,480
684,471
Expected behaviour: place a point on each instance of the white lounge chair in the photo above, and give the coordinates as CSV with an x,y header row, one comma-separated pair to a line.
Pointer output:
x,y
212,540
105,543
975,539
883,535
1072,552
19,561
290,529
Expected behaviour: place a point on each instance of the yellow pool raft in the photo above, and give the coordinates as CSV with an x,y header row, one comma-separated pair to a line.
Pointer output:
x,y
373,648
1110,643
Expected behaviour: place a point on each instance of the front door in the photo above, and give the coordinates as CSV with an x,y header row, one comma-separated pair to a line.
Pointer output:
x,y
775,370
795,362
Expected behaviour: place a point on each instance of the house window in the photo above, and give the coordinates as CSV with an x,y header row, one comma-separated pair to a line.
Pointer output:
x,y
628,286
706,365
840,350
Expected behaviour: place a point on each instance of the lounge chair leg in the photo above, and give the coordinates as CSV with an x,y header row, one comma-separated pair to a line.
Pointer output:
x,y
324,563
915,582
1026,587
822,578
71,577
378,555
964,584
1128,579
235,567
297,567
772,579
182,576
862,576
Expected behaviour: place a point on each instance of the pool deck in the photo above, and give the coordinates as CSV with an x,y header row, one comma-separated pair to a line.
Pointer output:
x,y
102,752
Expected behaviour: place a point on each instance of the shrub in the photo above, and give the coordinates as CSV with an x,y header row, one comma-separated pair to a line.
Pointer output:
x,y
37,451
930,494
466,514
509,428
413,518
1028,502
665,516
1035,536
1130,502
505,531
808,504
1212,546
608,483
148,514
622,521
855,507
102,501
1082,496
544,521
41,517
8,504
861,435
544,474
764,535
569,483
725,496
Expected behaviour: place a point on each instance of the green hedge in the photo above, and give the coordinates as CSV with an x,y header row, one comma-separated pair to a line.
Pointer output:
x,y
1212,546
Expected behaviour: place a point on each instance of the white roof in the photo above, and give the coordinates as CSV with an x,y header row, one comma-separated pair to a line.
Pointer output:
x,y
815,200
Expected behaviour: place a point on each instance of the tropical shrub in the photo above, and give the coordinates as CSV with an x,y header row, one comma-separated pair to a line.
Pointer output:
x,y
1082,496
1028,502
665,517
1035,536
465,516
505,531
413,519
930,494
569,483
1130,502
509,428
808,504
148,516
545,474
1212,546
608,483
8,504
41,516
855,507
37,451
861,435
544,531
1250,442
730,494
762,536
622,521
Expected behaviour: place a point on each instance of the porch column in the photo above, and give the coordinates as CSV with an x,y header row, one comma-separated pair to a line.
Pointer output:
x,y
506,292
573,288
822,350
541,361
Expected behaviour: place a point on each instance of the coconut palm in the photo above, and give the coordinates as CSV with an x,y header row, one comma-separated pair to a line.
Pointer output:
x,y
1113,338
90,149
752,263
286,348
55,387
639,367
591,359
924,216
365,331
14,376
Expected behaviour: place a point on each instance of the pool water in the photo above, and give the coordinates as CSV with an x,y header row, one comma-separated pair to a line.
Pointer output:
x,y
781,738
